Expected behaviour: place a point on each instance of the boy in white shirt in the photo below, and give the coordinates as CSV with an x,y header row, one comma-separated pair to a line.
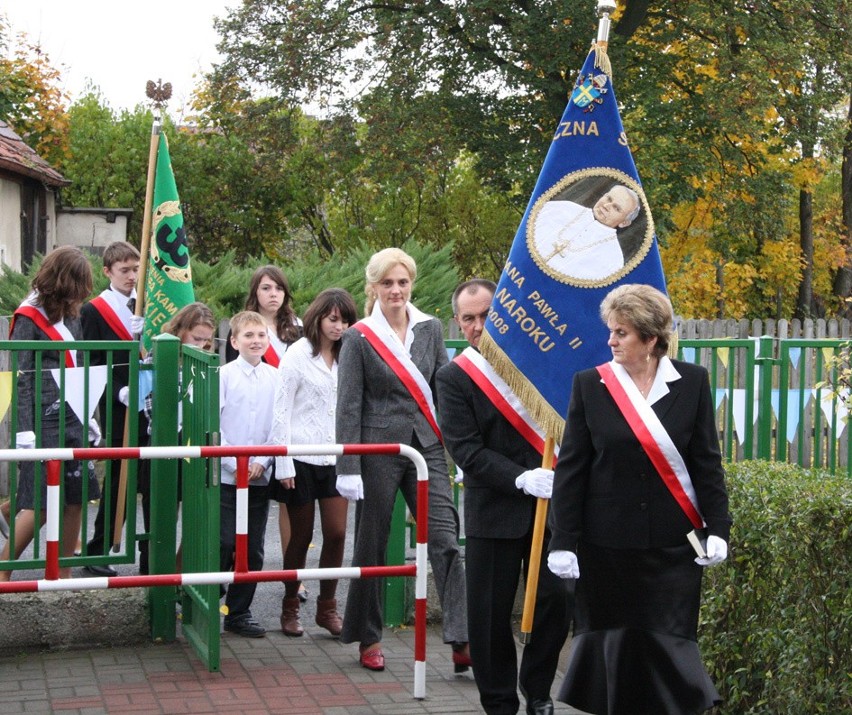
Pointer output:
x,y
247,388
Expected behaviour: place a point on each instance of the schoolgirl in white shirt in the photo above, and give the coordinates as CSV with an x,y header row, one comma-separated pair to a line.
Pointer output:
x,y
305,407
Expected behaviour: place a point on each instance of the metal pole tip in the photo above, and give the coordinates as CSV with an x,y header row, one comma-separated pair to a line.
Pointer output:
x,y
606,7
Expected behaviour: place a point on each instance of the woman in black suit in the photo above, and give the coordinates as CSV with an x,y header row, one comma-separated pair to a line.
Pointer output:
x,y
387,361
621,509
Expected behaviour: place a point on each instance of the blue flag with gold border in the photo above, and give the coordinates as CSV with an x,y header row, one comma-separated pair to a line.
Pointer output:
x,y
586,229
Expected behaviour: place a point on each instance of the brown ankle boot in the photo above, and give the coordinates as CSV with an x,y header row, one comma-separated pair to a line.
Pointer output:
x,y
290,617
328,617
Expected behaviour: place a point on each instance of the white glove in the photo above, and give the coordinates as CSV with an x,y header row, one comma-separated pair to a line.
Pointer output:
x,y
124,396
538,482
350,486
717,552
459,478
563,564
25,440
94,432
137,324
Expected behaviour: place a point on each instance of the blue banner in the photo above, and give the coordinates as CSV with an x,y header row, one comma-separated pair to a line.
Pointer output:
x,y
587,228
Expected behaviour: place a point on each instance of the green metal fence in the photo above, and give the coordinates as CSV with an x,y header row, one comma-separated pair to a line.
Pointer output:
x,y
82,382
770,404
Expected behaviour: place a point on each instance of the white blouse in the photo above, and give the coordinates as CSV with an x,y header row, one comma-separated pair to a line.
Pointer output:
x,y
305,405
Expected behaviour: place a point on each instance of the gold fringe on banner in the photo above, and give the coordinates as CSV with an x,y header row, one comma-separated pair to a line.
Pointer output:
x,y
548,419
673,343
602,59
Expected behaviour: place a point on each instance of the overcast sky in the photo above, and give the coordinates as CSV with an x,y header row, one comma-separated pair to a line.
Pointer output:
x,y
120,45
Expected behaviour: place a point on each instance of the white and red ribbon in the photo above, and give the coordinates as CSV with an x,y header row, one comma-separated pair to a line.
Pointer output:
x,y
505,401
399,361
654,438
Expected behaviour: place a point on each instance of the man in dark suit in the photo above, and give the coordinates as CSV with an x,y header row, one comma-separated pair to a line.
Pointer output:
x,y
502,479
110,317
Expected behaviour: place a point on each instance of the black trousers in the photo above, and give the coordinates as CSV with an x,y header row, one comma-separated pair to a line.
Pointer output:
x,y
493,568
239,595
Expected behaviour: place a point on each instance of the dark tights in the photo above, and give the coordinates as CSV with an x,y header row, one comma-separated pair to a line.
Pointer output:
x,y
333,520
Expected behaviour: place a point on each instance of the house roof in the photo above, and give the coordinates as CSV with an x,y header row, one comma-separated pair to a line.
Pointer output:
x,y
18,158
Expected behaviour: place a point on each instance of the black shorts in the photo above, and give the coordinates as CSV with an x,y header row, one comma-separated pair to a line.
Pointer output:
x,y
312,482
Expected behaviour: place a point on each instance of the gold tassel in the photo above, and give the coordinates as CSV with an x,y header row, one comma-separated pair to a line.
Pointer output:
x,y
548,419
602,59
673,342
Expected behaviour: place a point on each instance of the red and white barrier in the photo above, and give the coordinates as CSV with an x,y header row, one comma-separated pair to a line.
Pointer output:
x,y
52,582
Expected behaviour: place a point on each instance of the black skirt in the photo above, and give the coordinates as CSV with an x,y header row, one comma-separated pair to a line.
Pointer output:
x,y
635,649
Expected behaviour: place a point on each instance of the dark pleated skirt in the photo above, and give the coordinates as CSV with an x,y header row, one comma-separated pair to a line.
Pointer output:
x,y
634,650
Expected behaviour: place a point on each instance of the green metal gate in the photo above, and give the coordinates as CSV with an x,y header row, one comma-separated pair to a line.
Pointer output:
x,y
196,388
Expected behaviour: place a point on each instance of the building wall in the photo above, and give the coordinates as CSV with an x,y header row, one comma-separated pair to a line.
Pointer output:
x,y
91,231
10,223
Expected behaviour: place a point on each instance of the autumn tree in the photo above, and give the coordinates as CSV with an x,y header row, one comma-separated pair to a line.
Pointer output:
x,y
31,98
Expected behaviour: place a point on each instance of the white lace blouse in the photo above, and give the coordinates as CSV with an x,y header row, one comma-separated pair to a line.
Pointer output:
x,y
305,405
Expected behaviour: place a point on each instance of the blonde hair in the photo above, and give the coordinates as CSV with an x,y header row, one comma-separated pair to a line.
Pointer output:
x,y
379,265
243,319
644,307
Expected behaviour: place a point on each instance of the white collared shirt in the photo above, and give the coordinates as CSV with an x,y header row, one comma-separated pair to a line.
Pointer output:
x,y
415,316
305,405
246,403
666,372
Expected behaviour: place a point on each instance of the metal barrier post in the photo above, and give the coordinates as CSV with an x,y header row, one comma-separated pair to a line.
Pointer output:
x,y
163,490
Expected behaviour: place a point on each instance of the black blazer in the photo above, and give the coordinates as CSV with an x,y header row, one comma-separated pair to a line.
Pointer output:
x,y
96,328
606,490
490,452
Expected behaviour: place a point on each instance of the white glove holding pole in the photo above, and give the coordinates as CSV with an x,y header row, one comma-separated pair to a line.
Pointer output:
x,y
124,396
94,432
137,324
538,482
717,552
350,486
25,440
563,564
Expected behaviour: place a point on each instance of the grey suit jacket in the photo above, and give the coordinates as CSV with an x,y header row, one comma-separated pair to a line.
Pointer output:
x,y
373,406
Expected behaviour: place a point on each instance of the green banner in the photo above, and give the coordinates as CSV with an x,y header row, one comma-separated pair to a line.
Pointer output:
x,y
168,282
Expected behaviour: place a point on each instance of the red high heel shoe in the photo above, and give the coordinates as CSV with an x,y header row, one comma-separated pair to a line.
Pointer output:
x,y
461,658
371,657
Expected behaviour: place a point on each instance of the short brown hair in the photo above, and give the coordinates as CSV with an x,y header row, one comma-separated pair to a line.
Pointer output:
x,y
119,251
644,307
63,282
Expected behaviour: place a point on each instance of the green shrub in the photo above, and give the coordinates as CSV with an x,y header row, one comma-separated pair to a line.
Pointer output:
x,y
223,285
776,618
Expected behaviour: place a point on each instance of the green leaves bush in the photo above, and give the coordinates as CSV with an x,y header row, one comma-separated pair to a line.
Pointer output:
x,y
223,285
776,618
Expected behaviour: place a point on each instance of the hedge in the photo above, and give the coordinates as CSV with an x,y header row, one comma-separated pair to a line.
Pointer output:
x,y
776,617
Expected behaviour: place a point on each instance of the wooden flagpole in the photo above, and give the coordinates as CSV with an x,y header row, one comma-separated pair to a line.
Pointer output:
x,y
604,9
144,250
531,589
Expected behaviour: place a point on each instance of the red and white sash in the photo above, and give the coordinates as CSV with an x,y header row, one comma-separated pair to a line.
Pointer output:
x,y
271,356
505,401
55,331
112,307
398,360
654,438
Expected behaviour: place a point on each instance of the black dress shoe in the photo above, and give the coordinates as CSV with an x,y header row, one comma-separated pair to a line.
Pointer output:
x,y
540,707
246,627
99,570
